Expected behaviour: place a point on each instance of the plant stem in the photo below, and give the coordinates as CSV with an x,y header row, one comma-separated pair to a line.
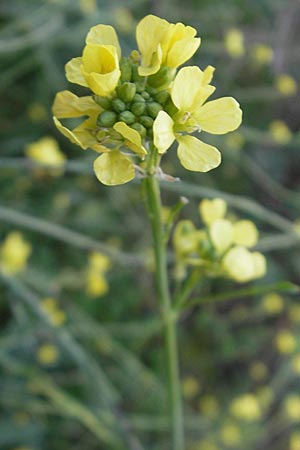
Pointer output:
x,y
168,315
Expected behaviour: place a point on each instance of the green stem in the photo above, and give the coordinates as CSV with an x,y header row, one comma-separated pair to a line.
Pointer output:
x,y
168,315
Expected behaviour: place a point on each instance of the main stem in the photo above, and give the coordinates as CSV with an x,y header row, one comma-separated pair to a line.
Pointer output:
x,y
169,319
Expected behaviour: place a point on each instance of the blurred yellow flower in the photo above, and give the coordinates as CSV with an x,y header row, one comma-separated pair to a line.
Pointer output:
x,y
234,43
190,387
209,406
56,315
272,303
47,354
292,407
14,253
164,44
280,132
46,151
265,396
296,364
98,265
211,210
123,19
37,112
88,6
189,92
258,370
204,444
246,407
231,435
295,441
262,54
286,84
294,313
235,140
286,342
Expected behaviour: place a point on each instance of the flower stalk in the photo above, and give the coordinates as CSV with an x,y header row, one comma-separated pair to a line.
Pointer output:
x,y
154,208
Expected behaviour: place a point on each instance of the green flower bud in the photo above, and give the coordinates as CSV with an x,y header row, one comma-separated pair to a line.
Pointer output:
x,y
126,91
126,69
107,119
162,97
146,121
104,102
140,87
139,128
127,117
151,90
135,74
138,98
145,95
138,108
162,78
118,105
170,108
153,109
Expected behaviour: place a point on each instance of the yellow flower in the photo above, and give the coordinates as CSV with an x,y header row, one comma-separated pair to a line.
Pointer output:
x,y
285,342
262,54
47,354
280,132
56,315
14,253
272,303
294,313
96,284
88,6
123,19
245,233
246,407
292,407
235,141
295,441
189,92
243,265
286,85
190,387
98,67
296,364
211,210
164,44
234,43
46,151
258,371
231,434
209,405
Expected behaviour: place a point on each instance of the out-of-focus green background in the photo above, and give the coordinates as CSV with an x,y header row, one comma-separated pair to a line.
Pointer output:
x,y
97,372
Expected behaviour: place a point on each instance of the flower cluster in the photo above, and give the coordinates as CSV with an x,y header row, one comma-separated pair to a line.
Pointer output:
x,y
221,248
140,104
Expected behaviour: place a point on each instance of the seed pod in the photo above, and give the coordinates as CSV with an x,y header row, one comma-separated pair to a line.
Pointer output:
x,y
127,117
126,70
104,102
118,105
153,109
126,91
138,108
146,121
107,119
162,97
139,128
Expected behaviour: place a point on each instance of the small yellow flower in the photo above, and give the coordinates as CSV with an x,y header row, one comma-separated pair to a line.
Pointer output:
x,y
209,406
231,435
96,284
46,151
98,67
243,265
296,364
56,315
14,253
286,342
235,141
88,6
211,210
234,43
265,396
272,303
258,371
286,85
295,441
37,112
246,407
280,132
190,387
294,313
262,54
164,44
123,19
189,92
292,407
47,354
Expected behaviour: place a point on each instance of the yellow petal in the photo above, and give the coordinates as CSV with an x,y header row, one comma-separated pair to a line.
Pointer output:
x,y
104,35
68,105
219,116
208,74
163,132
132,138
182,51
68,133
103,84
149,33
14,253
186,87
221,234
242,265
245,233
113,168
46,151
211,210
197,156
73,72
260,265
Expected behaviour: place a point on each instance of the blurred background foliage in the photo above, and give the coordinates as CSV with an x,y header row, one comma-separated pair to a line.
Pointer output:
x,y
81,350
